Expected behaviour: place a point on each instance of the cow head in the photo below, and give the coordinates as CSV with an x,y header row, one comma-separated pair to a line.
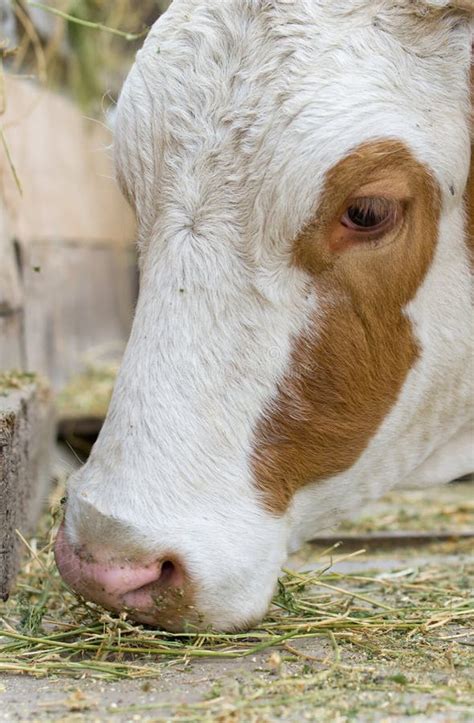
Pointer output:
x,y
299,171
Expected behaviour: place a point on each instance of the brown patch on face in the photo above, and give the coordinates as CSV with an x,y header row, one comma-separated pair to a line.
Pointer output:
x,y
346,373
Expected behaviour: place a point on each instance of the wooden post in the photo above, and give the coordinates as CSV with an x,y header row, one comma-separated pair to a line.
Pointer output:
x,y
27,428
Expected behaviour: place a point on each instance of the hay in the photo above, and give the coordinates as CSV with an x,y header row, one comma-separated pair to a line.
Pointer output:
x,y
85,47
88,394
451,512
87,23
12,380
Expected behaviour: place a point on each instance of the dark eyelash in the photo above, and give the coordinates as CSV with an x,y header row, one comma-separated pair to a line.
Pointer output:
x,y
378,207
368,214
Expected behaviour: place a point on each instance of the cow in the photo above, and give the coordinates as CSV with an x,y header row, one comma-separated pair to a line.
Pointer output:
x,y
302,341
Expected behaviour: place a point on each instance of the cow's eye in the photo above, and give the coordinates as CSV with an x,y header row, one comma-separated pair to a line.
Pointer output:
x,y
369,216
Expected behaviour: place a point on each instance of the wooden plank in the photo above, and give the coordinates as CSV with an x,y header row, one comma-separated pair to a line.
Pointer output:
x,y
11,292
79,306
402,538
11,301
27,428
64,164
11,341
68,282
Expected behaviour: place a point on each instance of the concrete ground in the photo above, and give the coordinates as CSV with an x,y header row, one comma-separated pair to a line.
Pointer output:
x,y
206,690
181,694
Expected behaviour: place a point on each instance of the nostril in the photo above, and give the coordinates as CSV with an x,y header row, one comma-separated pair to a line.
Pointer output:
x,y
171,577
168,570
118,585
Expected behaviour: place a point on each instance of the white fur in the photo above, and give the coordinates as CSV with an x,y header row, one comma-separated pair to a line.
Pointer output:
x,y
227,127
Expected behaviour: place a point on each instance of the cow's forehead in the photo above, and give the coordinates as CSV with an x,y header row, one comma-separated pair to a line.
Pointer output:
x,y
272,94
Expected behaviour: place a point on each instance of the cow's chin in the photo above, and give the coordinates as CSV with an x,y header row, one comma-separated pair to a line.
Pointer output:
x,y
194,622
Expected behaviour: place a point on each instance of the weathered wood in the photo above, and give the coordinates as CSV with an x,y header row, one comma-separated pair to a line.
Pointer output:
x,y
80,300
67,264
64,163
401,538
11,347
11,292
26,443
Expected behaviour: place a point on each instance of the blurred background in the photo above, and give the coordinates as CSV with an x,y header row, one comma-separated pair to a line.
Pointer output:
x,y
68,279
66,55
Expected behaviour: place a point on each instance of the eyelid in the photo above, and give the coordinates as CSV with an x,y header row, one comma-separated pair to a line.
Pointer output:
x,y
387,209
375,204
387,213
346,237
